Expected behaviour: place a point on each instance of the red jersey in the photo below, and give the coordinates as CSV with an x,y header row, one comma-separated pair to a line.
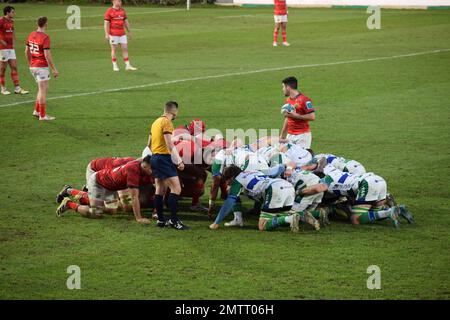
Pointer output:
x,y
302,105
116,18
109,163
7,33
126,176
280,8
37,42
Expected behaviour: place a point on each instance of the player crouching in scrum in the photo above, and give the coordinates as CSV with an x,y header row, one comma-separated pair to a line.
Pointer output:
x,y
276,195
104,184
368,192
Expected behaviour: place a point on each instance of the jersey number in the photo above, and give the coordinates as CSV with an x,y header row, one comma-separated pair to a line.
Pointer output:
x,y
34,48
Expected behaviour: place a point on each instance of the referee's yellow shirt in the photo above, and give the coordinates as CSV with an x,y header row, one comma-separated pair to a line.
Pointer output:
x,y
159,128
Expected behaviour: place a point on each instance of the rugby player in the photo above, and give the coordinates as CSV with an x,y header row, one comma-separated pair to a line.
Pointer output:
x,y
7,52
38,54
116,21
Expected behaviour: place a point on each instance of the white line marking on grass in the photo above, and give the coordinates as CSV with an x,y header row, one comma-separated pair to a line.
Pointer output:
x,y
101,15
234,74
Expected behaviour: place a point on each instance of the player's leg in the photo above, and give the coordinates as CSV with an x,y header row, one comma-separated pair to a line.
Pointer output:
x,y
275,32
270,221
215,185
3,65
113,54
15,77
365,213
238,221
42,99
160,187
126,59
175,189
283,33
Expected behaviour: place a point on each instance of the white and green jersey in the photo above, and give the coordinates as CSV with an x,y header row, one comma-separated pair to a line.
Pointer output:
x,y
340,163
301,179
273,156
298,155
241,157
340,183
253,183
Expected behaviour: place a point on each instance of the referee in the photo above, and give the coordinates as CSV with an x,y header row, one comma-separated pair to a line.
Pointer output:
x,y
165,161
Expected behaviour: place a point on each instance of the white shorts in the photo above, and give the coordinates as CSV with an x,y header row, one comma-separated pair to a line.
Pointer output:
x,y
279,194
303,140
371,188
7,54
97,192
89,173
308,203
118,39
280,19
40,74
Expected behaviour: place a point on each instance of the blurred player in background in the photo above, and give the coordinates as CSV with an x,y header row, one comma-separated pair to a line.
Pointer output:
x,y
116,22
7,52
281,18
38,54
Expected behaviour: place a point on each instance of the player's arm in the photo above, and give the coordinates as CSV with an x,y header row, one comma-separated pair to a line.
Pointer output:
x,y
284,129
48,57
128,28
106,26
315,189
307,117
3,42
149,142
28,54
136,205
173,151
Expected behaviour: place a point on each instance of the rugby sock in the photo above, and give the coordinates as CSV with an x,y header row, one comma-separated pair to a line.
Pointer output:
x,y
283,33
369,216
275,36
199,187
275,222
173,206
127,61
37,106
237,216
72,205
42,109
81,196
159,206
114,60
15,78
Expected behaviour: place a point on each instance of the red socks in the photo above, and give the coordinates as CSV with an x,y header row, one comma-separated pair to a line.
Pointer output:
x,y
284,36
72,205
15,78
83,196
37,107
275,36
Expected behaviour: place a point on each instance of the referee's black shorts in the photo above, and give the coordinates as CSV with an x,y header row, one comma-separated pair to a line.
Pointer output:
x,y
162,166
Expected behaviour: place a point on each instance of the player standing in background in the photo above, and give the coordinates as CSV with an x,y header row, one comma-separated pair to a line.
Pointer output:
x,y
296,123
7,52
281,18
38,54
116,22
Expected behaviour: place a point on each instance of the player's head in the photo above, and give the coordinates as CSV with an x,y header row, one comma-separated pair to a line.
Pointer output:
x,y
171,107
145,165
289,83
117,3
196,126
231,172
9,11
42,22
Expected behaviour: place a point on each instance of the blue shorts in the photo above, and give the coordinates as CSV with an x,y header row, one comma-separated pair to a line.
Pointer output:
x,y
162,166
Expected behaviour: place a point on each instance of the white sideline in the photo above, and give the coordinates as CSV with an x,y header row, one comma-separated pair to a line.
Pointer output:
x,y
101,15
155,84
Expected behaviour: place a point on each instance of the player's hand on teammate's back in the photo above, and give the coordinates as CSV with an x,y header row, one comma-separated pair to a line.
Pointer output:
x,y
143,220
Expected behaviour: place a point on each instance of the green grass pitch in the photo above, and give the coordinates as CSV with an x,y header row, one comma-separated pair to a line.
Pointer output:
x,y
390,114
